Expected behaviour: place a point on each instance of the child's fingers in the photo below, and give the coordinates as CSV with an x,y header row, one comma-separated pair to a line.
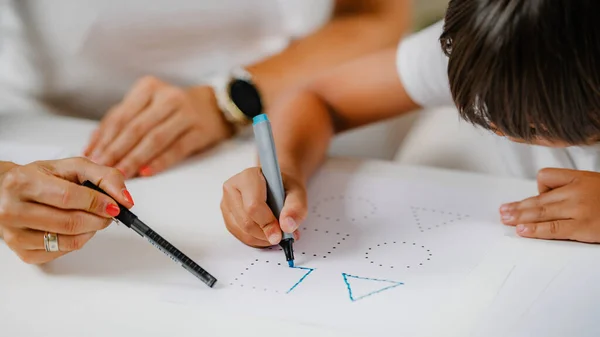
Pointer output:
x,y
254,211
551,178
256,216
244,203
543,207
242,220
234,229
558,229
294,209
541,213
253,191
272,232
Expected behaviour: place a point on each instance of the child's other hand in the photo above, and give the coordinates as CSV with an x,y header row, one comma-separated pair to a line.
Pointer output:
x,y
249,218
568,207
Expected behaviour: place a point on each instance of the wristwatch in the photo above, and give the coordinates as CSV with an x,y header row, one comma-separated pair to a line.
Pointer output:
x,y
238,97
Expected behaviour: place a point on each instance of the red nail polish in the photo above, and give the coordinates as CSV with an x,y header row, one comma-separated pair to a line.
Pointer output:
x,y
146,171
127,196
112,210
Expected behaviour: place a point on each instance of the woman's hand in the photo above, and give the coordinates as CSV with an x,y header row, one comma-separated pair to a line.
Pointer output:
x,y
249,218
46,196
567,208
156,126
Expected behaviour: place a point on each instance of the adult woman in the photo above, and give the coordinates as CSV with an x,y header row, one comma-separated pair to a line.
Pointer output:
x,y
81,58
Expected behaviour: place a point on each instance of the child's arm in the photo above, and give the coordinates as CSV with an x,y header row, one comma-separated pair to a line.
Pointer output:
x,y
373,88
355,94
304,122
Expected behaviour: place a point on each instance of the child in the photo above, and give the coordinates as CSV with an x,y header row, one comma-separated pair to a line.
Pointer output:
x,y
526,70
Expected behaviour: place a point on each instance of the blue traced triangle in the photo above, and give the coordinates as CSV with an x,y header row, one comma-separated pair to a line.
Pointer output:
x,y
309,270
386,285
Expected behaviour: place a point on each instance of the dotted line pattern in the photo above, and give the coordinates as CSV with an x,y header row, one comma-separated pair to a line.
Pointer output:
x,y
341,238
236,281
413,244
318,214
424,227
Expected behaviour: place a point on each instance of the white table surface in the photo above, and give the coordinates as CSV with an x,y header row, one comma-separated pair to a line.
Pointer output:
x,y
106,296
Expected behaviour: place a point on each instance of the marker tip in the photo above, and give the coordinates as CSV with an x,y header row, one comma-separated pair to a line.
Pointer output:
x,y
291,263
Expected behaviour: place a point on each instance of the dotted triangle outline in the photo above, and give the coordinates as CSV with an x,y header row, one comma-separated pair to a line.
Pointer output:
x,y
422,228
346,276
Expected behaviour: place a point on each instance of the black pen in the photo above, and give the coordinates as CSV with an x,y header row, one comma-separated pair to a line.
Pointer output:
x,y
127,218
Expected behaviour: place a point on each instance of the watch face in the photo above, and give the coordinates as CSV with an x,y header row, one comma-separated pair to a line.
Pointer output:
x,y
246,98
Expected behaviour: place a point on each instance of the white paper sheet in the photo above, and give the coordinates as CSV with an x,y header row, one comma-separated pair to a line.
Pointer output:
x,y
412,258
22,154
376,256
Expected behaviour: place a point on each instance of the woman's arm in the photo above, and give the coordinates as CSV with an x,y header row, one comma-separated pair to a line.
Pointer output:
x,y
190,120
357,28
357,93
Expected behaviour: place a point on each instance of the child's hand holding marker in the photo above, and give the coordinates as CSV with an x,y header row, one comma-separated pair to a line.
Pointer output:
x,y
249,218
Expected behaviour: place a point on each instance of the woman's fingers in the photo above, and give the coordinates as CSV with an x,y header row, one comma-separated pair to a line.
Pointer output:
x,y
65,195
47,196
48,219
154,142
190,142
118,117
162,107
78,170
94,137
28,239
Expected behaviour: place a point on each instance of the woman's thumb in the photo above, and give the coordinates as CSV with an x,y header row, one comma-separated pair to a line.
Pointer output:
x,y
294,210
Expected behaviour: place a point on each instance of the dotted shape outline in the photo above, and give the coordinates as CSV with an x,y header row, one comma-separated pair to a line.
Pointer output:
x,y
341,240
309,271
315,207
429,253
422,228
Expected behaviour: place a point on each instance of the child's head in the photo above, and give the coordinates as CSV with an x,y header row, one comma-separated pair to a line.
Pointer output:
x,y
527,69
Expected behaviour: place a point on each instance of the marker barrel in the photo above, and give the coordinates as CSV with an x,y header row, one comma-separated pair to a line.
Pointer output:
x,y
270,166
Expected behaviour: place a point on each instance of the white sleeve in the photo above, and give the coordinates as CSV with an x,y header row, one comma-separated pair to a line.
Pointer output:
x,y
422,67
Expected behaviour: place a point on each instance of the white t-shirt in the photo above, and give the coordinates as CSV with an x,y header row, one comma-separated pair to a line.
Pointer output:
x,y
422,68
83,56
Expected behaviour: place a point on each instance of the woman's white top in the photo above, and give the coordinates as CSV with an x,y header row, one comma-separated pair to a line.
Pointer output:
x,y
422,66
84,55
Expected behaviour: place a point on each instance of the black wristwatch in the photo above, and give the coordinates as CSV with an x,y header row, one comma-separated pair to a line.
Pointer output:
x,y
238,97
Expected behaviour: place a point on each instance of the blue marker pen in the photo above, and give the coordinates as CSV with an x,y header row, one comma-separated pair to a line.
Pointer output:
x,y
270,169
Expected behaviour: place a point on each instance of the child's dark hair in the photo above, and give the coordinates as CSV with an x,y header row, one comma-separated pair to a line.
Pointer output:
x,y
527,68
